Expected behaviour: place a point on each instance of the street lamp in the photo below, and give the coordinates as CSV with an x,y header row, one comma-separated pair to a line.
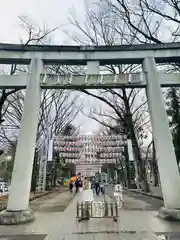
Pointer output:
x,y
8,158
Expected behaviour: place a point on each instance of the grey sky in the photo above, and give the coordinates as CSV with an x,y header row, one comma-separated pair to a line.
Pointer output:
x,y
53,14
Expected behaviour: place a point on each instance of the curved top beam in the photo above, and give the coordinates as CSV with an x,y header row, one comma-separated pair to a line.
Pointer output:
x,y
79,55
86,48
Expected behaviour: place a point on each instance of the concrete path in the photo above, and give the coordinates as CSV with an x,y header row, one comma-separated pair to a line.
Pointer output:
x,y
135,222
48,214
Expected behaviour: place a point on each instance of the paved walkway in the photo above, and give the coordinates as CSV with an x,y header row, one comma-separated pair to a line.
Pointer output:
x,y
4,198
144,202
136,221
154,192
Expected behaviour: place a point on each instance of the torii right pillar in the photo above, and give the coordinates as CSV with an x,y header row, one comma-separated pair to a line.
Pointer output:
x,y
167,164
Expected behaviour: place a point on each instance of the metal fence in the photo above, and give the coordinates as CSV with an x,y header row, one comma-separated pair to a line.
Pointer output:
x,y
109,190
97,210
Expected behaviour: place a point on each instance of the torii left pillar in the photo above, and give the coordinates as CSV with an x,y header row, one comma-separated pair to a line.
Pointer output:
x,y
18,211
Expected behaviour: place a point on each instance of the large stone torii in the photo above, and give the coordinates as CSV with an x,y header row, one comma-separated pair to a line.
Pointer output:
x,y
37,56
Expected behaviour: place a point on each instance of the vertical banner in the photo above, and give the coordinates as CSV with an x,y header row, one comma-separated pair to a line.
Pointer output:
x,y
50,151
130,150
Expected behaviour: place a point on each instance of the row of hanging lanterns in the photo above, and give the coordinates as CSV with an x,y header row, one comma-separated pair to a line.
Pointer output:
x,y
91,151
111,143
94,145
72,148
67,143
103,155
100,162
93,138
69,155
69,149
109,155
110,149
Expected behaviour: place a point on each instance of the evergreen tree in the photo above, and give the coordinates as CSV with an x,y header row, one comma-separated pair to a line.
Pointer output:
x,y
173,111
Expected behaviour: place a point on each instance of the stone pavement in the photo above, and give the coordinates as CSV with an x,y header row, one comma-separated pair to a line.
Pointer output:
x,y
48,213
138,220
155,192
143,203
33,196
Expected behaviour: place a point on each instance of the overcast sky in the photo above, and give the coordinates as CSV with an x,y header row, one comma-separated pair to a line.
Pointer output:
x,y
54,13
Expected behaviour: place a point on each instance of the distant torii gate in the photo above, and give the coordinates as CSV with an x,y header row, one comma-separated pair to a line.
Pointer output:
x,y
38,56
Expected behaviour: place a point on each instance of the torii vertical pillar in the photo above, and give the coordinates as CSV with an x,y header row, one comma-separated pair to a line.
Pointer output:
x,y
18,211
167,164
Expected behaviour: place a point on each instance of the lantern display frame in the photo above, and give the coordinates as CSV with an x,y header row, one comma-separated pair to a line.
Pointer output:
x,y
102,149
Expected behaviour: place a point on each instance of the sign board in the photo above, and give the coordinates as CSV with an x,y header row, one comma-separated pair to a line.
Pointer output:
x,y
130,150
50,150
93,79
98,209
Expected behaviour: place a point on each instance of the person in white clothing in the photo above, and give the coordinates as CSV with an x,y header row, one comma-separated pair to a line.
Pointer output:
x,y
118,189
87,194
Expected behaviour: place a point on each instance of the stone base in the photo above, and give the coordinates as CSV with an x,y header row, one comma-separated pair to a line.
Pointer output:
x,y
169,214
16,217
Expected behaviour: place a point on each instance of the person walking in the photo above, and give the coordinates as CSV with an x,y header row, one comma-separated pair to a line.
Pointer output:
x,y
85,184
71,186
80,185
87,195
102,187
97,187
118,189
93,185
77,185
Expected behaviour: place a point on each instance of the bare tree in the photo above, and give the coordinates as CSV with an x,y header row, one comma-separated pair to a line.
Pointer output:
x,y
34,35
111,118
103,26
154,22
130,119
150,19
57,109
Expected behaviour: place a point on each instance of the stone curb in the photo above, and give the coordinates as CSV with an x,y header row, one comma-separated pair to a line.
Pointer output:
x,y
169,214
144,193
138,192
3,206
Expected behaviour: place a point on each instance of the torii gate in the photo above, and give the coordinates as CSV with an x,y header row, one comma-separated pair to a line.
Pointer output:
x,y
37,56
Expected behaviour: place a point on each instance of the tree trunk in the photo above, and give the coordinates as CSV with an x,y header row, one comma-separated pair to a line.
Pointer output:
x,y
54,178
141,171
127,163
155,167
118,176
140,166
34,173
53,172
122,174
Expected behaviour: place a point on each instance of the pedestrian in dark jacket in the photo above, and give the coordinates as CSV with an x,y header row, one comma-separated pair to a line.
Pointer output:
x,y
97,187
71,186
77,185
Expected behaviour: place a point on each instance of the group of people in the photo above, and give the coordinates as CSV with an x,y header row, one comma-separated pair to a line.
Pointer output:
x,y
96,186
79,184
